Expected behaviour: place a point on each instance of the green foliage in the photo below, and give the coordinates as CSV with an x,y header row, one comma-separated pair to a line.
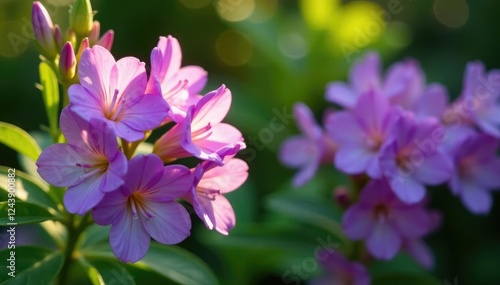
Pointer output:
x,y
34,265
22,213
19,140
171,262
50,94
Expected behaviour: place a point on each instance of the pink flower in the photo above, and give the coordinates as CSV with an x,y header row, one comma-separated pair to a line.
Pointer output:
x,y
201,133
211,181
308,150
179,86
114,91
90,164
360,133
412,158
383,221
341,271
145,206
477,171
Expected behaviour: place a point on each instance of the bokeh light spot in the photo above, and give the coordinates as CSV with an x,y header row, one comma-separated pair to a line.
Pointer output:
x,y
264,10
292,45
235,10
233,48
451,13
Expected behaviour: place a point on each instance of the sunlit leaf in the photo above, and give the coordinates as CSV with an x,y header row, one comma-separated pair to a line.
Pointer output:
x,y
22,213
50,93
19,140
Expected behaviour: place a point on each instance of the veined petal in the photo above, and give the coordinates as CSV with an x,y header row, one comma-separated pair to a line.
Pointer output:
x,y
171,58
225,219
82,197
176,181
170,223
72,125
111,205
226,178
128,238
131,78
211,108
94,71
146,113
196,77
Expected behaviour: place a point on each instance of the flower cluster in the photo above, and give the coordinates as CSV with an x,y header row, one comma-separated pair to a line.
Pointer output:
x,y
113,107
395,136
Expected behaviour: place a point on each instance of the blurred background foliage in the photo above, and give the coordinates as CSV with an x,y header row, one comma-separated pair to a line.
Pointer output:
x,y
272,53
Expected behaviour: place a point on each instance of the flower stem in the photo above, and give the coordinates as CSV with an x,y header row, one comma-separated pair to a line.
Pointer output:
x,y
75,229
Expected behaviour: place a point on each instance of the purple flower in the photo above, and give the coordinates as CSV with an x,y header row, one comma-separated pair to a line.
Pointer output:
x,y
145,206
179,86
360,133
477,171
90,164
201,133
480,98
211,181
418,249
412,158
383,221
432,103
115,91
305,151
403,83
341,271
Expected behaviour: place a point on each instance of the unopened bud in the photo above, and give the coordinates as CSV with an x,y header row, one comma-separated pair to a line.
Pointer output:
x,y
95,33
43,30
342,196
58,37
106,41
83,46
67,62
81,17
71,36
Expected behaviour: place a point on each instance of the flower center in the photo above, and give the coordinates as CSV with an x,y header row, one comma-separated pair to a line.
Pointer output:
x,y
202,133
375,141
206,193
98,168
381,211
137,204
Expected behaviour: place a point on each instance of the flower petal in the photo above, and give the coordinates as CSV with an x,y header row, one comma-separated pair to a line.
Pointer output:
x,y
111,205
211,108
82,197
342,94
170,223
226,178
477,199
354,159
408,189
94,71
384,242
196,77
358,222
128,238
434,169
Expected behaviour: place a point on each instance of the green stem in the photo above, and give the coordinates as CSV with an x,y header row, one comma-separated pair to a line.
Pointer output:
x,y
75,229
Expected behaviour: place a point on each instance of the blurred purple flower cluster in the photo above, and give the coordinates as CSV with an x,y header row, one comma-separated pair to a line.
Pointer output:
x,y
113,107
395,136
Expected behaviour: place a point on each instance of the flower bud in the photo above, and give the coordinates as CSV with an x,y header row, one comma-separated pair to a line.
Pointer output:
x,y
58,37
342,196
83,46
106,41
43,30
81,17
71,36
67,62
95,33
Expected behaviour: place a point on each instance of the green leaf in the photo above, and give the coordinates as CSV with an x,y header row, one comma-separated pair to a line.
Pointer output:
x,y
172,262
50,93
28,188
19,140
107,272
310,210
406,279
22,213
94,234
33,265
